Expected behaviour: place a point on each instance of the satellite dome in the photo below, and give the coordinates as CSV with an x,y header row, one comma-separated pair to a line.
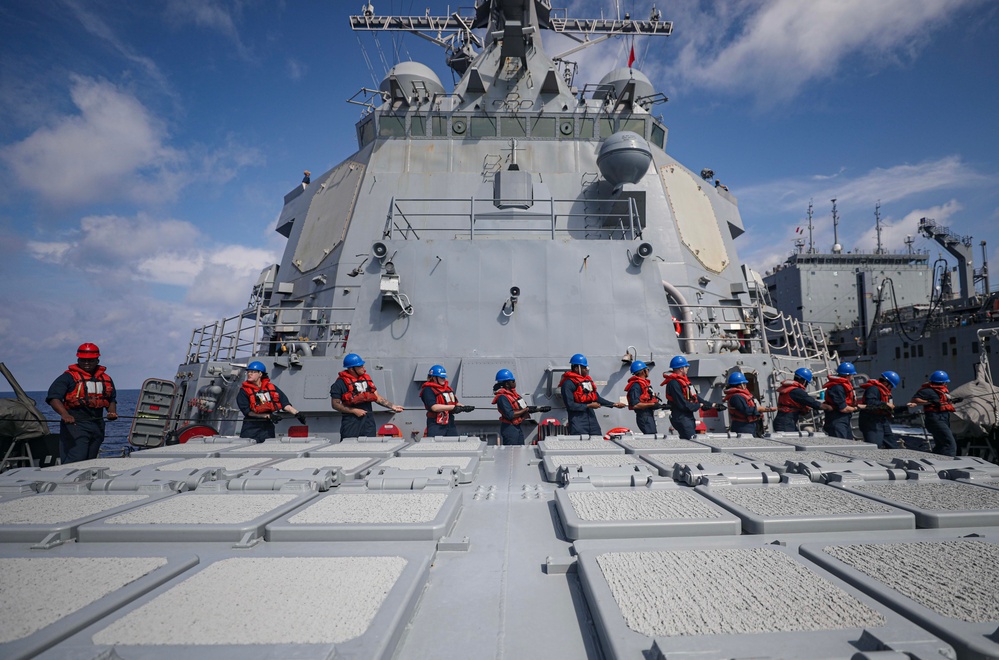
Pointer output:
x,y
620,79
411,79
624,157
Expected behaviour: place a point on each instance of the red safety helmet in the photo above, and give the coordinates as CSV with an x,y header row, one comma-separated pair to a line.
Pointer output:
x,y
88,351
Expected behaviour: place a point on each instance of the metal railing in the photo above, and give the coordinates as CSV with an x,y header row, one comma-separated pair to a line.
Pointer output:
x,y
408,217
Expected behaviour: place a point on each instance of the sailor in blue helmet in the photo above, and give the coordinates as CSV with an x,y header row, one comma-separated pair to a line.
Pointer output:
x,y
842,401
352,394
513,410
743,410
793,400
579,393
877,409
260,400
937,405
441,403
682,399
641,398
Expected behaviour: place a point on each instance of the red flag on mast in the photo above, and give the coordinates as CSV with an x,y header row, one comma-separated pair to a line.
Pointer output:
x,y
631,56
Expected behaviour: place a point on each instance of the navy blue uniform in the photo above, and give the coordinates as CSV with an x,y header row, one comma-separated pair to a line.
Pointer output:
x,y
80,441
352,426
257,428
788,421
433,428
511,433
938,424
875,421
740,405
582,420
644,418
837,423
681,411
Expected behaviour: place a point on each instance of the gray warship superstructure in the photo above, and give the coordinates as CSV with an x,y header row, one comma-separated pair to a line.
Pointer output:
x,y
511,222
313,547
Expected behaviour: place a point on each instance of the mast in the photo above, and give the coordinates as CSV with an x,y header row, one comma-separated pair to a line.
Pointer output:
x,y
836,248
811,240
877,226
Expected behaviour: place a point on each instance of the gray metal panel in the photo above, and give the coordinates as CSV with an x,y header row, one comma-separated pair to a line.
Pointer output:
x,y
776,508
220,516
647,444
553,463
824,617
958,605
369,447
683,513
364,526
740,443
454,445
823,442
935,503
596,445
278,448
464,467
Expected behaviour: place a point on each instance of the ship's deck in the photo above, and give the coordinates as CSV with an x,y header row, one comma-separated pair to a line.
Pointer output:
x,y
621,562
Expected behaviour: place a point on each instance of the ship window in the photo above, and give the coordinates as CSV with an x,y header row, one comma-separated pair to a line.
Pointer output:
x,y
481,127
634,125
919,350
391,126
367,131
438,125
898,353
974,347
545,127
586,128
943,349
606,127
658,136
418,126
953,339
513,127
953,352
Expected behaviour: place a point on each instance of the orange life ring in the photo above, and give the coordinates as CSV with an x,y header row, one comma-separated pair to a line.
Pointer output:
x,y
620,430
192,431
677,327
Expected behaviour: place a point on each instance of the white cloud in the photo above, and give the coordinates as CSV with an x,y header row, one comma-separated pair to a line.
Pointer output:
x,y
211,15
771,50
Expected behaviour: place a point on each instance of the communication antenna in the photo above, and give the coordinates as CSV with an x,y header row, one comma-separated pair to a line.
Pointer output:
x,y
877,226
811,242
837,248
909,240
800,244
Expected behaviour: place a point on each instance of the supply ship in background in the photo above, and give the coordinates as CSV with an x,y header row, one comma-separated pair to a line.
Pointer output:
x,y
508,223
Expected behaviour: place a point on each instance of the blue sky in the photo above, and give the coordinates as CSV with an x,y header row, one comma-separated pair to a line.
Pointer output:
x,y
145,147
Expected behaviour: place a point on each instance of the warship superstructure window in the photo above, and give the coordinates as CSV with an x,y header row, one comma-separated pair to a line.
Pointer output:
x,y
418,126
391,126
607,127
919,350
513,127
586,128
658,136
943,349
366,132
544,127
633,125
481,127
974,347
898,353
438,125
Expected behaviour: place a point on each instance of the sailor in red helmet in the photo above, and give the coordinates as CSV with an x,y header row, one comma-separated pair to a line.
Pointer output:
x,y
80,395
260,400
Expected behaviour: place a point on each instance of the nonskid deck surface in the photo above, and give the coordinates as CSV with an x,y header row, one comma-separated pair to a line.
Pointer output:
x,y
566,556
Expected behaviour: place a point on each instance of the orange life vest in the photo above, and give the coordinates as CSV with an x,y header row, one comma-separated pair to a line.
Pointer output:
x,y
264,398
445,396
516,402
884,394
360,389
851,397
89,391
586,389
944,405
647,396
785,403
688,389
736,415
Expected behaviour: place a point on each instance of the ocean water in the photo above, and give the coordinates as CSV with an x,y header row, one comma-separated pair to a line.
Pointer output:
x,y
116,432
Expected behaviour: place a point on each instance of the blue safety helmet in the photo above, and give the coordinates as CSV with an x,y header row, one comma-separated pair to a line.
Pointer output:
x,y
736,378
257,366
892,378
846,369
352,360
637,366
579,359
678,362
804,374
438,371
504,375
939,377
